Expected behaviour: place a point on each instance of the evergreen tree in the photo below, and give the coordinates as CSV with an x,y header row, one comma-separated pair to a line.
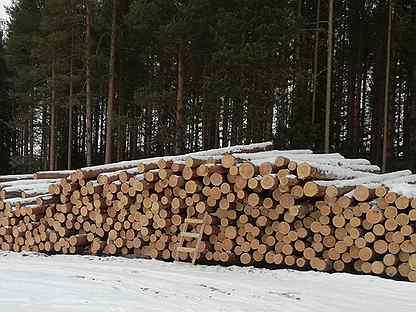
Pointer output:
x,y
184,75
24,19
6,113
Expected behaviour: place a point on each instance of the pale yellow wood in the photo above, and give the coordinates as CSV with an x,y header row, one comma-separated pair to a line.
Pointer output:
x,y
189,234
185,249
197,236
194,221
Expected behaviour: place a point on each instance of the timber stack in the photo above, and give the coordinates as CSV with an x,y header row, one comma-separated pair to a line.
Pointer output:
x,y
263,207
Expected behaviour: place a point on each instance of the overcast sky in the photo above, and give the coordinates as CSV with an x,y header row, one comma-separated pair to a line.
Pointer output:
x,y
2,10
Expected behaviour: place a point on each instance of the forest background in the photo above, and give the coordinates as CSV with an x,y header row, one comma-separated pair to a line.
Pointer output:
x,y
90,81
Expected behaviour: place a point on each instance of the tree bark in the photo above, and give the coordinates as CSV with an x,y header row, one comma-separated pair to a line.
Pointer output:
x,y
386,150
379,88
112,85
52,147
315,61
44,144
300,117
88,85
70,104
355,89
148,116
410,117
133,133
329,78
179,141
31,138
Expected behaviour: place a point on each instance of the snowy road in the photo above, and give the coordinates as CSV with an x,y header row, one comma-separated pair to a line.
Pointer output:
x,y
75,283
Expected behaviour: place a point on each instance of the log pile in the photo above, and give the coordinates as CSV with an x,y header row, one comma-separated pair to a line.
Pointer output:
x,y
266,208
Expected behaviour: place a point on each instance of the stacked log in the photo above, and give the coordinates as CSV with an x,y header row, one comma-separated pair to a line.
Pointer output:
x,y
265,208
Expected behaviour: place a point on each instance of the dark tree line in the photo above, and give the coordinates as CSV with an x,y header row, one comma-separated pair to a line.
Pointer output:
x,y
88,81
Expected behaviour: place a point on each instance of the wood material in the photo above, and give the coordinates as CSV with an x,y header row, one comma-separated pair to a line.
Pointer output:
x,y
245,210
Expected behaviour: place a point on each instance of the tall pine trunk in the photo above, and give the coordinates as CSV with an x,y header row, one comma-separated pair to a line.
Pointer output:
x,y
410,117
179,140
112,86
329,78
70,104
380,76
133,133
315,62
355,75
386,135
52,137
88,85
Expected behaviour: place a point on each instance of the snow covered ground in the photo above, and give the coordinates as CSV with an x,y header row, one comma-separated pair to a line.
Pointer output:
x,y
31,282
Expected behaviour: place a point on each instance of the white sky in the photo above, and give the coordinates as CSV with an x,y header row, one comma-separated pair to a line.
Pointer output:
x,y
2,10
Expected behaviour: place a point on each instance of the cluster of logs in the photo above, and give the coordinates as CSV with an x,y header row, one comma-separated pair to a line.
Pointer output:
x,y
266,208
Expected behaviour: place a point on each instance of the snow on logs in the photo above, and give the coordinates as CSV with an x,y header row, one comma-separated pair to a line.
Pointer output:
x,y
266,208
9,178
52,174
334,188
145,164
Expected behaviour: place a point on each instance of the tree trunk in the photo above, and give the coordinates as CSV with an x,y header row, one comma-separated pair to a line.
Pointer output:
x,y
97,142
112,86
102,122
31,126
70,104
52,147
148,117
133,133
355,89
225,121
179,145
82,134
379,88
329,78
88,85
315,61
410,117
26,138
236,123
44,144
300,116
386,145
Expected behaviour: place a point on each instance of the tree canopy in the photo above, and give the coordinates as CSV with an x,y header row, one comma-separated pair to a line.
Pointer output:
x,y
191,75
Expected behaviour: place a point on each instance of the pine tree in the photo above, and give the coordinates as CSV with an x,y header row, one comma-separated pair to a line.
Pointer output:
x,y
23,25
112,81
185,75
6,115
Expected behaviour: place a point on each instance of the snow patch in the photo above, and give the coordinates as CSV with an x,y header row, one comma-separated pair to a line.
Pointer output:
x,y
84,283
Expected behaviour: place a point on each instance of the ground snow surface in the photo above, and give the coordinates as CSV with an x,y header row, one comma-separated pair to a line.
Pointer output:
x,y
31,282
